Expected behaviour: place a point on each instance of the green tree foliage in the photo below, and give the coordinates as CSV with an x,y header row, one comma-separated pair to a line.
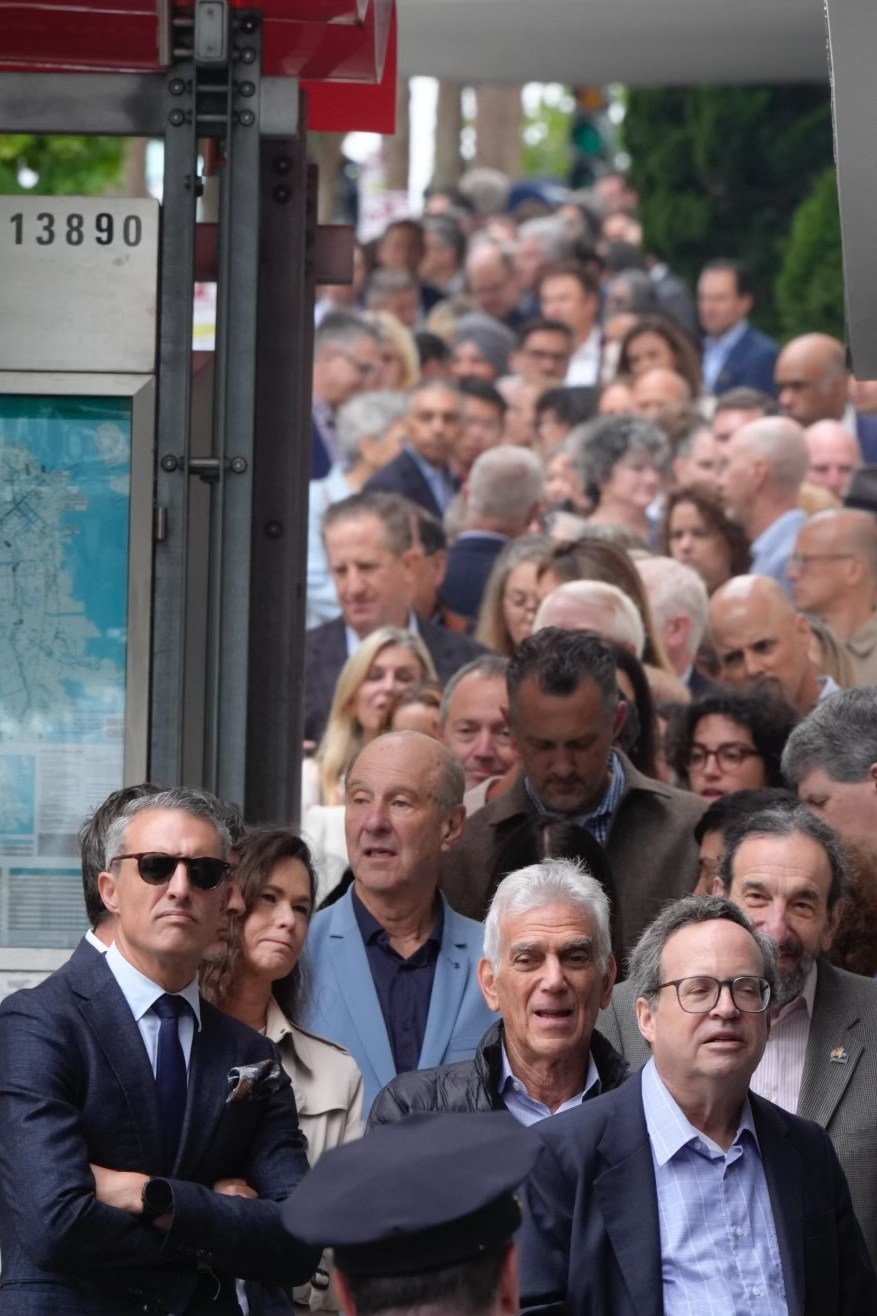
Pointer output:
x,y
721,171
810,287
63,166
547,117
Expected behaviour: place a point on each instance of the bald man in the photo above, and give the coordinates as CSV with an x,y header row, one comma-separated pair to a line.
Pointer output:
x,y
812,385
759,637
833,572
655,390
761,470
835,456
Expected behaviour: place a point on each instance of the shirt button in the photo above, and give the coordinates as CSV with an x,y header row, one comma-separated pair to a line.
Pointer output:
x,y
756,1293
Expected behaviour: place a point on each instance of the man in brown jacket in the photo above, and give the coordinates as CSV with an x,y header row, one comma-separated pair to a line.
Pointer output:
x,y
565,714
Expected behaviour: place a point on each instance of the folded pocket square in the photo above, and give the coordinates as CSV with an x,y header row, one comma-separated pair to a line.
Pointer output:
x,y
254,1082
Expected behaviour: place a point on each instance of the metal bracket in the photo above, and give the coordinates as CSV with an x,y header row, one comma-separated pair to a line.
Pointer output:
x,y
206,468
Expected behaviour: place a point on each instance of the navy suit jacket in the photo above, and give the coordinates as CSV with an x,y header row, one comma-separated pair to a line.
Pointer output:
x,y
750,364
470,562
866,430
344,1003
403,476
326,654
591,1243
76,1087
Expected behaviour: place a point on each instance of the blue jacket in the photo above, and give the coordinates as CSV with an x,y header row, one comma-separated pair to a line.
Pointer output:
x,y
344,1004
750,364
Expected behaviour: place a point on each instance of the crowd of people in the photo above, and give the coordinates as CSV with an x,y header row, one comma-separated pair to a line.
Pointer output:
x,y
588,842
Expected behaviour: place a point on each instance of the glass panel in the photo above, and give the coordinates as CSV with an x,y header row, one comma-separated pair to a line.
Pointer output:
x,y
65,475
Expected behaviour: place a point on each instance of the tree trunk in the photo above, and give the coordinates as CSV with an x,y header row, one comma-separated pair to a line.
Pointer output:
x,y
396,149
498,127
448,164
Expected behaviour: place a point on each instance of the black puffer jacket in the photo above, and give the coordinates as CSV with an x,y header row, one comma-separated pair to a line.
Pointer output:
x,y
471,1086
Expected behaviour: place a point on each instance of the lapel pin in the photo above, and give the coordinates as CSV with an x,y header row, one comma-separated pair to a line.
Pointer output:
x,y
838,1056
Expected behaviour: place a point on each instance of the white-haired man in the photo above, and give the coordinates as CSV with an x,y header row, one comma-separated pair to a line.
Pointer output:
x,y
680,610
763,467
502,498
593,605
547,969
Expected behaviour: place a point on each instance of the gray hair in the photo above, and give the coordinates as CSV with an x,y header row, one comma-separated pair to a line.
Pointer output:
x,y
672,588
551,234
488,667
787,822
839,737
644,966
342,329
187,799
627,624
552,881
504,484
367,416
604,442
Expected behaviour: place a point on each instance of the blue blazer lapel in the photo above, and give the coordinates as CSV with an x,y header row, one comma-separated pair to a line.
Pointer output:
x,y
453,967
346,954
782,1171
106,1013
628,1201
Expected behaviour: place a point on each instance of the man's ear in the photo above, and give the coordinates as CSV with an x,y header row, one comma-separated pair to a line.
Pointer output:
x,y
645,1019
620,717
106,885
452,826
487,983
608,981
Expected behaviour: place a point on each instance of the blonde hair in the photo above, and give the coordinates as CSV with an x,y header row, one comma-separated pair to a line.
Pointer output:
x,y
343,737
391,330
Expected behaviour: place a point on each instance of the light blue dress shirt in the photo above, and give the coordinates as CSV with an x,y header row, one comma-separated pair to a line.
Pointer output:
x,y
773,548
528,1110
716,352
440,483
141,993
719,1250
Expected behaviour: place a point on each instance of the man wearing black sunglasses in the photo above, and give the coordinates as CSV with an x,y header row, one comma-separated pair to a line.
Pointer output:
x,y
127,1183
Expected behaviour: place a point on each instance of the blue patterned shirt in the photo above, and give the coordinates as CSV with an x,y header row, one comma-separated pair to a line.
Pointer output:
x,y
719,1250
599,820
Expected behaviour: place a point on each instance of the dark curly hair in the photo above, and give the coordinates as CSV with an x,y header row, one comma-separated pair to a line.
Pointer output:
x,y
766,716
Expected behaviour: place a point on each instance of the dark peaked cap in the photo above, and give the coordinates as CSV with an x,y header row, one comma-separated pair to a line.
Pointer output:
x,y
428,1192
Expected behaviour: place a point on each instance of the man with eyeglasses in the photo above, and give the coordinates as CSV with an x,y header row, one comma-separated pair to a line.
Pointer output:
x,y
833,572
683,1190
127,1182
347,361
785,869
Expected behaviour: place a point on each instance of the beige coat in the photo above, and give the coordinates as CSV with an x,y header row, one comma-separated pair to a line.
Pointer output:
x,y
328,1093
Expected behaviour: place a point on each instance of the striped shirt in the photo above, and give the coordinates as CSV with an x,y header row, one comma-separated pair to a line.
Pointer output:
x,y
778,1076
719,1251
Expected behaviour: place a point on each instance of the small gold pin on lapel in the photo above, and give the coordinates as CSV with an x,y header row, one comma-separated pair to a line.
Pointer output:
x,y
838,1056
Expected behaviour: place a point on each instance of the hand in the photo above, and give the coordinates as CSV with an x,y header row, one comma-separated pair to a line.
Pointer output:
x,y
234,1188
122,1189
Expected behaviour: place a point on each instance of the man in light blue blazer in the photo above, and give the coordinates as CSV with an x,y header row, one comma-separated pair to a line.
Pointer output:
x,y
393,967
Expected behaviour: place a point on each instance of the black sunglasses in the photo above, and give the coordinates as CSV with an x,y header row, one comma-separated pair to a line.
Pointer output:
x,y
205,873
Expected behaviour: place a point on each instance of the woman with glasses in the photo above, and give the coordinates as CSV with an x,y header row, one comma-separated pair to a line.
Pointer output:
x,y
510,599
731,741
260,979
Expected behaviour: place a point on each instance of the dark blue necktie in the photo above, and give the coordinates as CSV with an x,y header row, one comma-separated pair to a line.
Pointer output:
x,y
170,1070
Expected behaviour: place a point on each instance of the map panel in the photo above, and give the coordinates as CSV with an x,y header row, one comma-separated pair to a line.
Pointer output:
x,y
65,471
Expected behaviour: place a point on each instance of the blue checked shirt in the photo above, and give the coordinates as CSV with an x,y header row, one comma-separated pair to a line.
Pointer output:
x,y
719,1251
528,1110
599,820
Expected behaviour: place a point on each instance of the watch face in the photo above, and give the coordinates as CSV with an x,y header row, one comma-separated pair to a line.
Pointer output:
x,y
158,1198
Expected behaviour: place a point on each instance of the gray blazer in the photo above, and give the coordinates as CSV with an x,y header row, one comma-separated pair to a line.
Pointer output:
x,y
839,1093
